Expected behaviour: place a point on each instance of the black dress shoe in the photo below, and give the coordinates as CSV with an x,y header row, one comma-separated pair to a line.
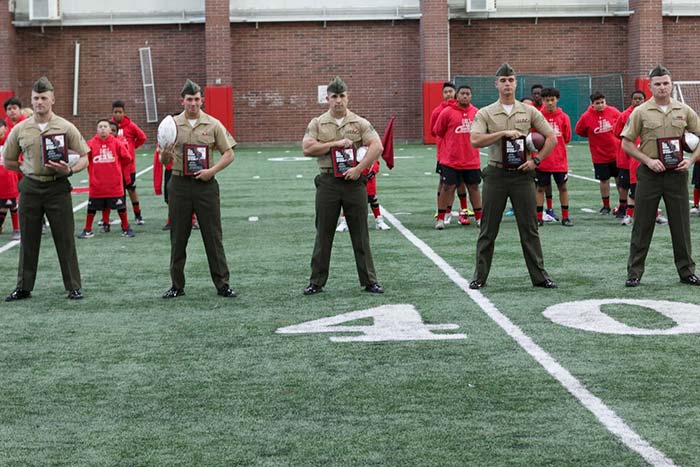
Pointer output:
x,y
75,294
174,292
691,280
226,291
476,284
374,288
18,294
312,289
632,282
547,284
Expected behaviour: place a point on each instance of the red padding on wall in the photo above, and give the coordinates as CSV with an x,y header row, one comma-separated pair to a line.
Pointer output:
x,y
4,95
432,96
218,101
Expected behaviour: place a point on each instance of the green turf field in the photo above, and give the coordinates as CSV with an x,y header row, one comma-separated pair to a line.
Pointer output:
x,y
126,378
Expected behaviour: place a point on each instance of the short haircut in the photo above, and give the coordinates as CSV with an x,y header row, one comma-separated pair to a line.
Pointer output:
x,y
550,92
2,122
448,84
535,86
463,86
118,104
12,101
103,120
639,91
597,95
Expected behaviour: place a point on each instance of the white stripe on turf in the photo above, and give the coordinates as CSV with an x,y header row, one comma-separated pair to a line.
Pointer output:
x,y
77,208
610,420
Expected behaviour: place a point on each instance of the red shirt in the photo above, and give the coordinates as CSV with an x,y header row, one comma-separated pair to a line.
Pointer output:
x,y
134,137
108,160
454,126
8,183
624,160
557,160
598,128
433,118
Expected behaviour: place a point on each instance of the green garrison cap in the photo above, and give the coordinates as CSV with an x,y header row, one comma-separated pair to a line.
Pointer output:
x,y
505,70
190,88
659,70
42,85
337,86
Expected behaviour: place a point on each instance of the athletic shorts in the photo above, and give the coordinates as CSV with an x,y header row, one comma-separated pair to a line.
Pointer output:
x,y
696,175
450,176
623,178
633,190
8,203
545,178
438,168
372,186
100,204
605,171
131,186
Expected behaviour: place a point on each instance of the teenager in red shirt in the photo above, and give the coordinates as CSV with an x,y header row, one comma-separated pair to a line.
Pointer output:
x,y
8,188
107,162
556,165
627,165
459,161
135,138
448,95
596,124
13,110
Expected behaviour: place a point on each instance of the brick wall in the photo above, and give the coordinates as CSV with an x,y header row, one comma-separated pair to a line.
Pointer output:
x,y
8,76
218,42
276,67
434,35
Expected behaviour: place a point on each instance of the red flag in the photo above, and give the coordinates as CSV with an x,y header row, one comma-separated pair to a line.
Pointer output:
x,y
388,143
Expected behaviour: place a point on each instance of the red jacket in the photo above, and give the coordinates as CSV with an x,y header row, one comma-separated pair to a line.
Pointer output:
x,y
8,183
598,128
108,161
624,160
433,118
135,138
557,161
454,125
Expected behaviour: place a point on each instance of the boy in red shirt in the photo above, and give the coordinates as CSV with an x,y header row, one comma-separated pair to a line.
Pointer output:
x,y
460,161
108,159
8,188
596,124
557,164
135,138
627,165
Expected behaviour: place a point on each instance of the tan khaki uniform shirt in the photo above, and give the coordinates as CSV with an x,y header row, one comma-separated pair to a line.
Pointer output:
x,y
493,118
207,130
649,122
325,129
25,138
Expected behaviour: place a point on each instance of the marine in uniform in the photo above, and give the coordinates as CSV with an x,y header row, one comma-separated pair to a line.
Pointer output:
x,y
660,122
197,192
45,189
494,126
341,128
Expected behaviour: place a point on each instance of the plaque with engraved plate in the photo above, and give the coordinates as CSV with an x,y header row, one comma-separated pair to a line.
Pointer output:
x,y
513,152
53,148
343,160
195,158
670,151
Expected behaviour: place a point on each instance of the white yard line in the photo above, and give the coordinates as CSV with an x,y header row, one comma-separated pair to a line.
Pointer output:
x,y
77,208
610,420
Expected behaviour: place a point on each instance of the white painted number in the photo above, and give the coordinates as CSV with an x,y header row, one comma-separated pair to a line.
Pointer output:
x,y
587,315
391,323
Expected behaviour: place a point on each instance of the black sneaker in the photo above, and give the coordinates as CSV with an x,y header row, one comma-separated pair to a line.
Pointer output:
x,y
604,211
226,291
139,220
374,288
567,222
632,282
174,292
128,232
312,289
86,234
690,280
167,226
106,228
75,294
18,294
547,284
476,284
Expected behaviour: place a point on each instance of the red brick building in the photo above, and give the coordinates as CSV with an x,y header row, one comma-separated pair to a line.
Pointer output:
x,y
392,66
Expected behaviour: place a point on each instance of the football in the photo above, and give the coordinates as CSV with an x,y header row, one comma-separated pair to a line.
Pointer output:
x,y
534,141
167,132
361,153
690,141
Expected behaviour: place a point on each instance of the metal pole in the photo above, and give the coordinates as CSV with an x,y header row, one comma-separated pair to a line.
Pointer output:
x,y
76,78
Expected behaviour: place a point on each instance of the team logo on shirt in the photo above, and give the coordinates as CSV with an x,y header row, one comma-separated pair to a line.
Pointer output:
x,y
604,126
465,127
104,157
555,127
